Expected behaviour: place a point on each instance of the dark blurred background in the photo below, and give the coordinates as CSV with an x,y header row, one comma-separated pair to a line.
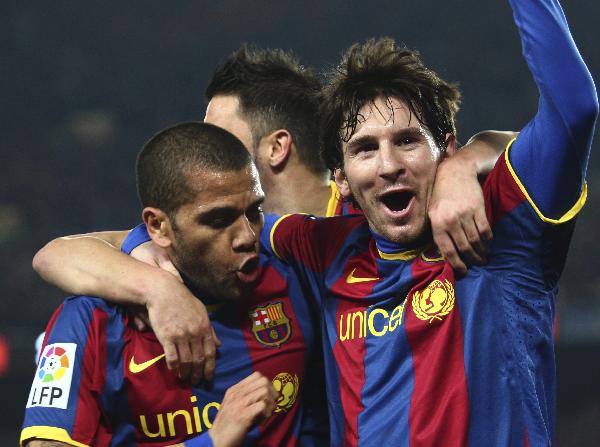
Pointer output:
x,y
84,84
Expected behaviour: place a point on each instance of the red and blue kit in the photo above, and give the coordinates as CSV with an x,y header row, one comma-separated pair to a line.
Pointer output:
x,y
417,357
100,382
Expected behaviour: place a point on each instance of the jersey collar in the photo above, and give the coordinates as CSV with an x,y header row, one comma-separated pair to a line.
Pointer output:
x,y
391,251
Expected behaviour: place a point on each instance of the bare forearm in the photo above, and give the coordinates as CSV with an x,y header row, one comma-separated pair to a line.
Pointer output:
x,y
90,265
483,149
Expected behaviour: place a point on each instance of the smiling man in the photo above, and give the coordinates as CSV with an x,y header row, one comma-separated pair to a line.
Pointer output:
x,y
415,356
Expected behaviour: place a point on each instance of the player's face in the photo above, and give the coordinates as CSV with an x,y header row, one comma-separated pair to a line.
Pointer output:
x,y
389,168
216,235
222,111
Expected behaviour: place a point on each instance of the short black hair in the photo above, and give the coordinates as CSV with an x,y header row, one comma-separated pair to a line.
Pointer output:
x,y
275,92
380,68
168,159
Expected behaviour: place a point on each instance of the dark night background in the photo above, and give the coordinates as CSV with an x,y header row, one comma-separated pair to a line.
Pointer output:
x,y
84,84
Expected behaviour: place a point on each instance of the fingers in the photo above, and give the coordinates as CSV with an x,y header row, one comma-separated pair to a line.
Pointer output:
x,y
448,251
467,241
210,356
216,339
171,356
483,227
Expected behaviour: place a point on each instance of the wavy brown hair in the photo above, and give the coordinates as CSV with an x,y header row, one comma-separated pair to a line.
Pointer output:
x,y
380,68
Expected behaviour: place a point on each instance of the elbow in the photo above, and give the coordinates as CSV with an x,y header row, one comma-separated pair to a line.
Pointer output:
x,y
42,261
588,105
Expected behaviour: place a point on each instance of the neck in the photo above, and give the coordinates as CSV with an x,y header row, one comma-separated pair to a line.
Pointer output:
x,y
297,190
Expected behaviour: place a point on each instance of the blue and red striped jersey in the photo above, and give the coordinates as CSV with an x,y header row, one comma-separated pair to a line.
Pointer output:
x,y
415,356
100,382
274,333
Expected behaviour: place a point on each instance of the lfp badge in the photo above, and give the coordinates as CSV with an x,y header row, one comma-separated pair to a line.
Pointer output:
x,y
52,381
270,324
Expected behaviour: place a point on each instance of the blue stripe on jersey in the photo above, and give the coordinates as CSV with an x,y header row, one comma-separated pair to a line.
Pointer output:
x,y
332,374
383,376
114,395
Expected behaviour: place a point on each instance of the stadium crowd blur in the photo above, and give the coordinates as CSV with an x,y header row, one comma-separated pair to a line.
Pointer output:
x,y
83,85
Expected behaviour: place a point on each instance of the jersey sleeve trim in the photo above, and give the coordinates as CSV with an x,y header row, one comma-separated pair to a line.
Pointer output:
x,y
333,200
565,217
272,234
48,433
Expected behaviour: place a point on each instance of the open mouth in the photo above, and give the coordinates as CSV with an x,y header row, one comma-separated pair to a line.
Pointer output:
x,y
397,201
249,270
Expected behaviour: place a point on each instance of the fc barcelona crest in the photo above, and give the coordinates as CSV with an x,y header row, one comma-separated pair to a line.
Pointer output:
x,y
270,324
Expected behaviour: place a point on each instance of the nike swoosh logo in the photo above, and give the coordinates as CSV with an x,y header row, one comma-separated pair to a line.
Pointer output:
x,y
139,367
351,279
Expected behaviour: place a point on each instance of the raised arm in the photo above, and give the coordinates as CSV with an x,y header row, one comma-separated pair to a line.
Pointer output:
x,y
551,154
91,264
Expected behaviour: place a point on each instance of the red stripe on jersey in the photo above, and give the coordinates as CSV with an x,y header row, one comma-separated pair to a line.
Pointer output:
x,y
500,191
93,378
439,408
154,393
271,361
526,438
356,282
304,239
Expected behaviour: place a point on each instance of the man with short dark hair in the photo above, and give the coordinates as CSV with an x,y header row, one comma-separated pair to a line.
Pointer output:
x,y
100,382
271,103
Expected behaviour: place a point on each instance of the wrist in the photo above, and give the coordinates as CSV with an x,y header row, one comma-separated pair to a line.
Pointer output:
x,y
462,162
154,286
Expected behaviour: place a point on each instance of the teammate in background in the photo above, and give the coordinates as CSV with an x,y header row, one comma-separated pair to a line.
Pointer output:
x,y
101,382
270,102
414,355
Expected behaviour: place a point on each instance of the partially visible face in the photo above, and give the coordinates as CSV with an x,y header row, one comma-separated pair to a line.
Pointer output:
x,y
216,235
222,111
390,164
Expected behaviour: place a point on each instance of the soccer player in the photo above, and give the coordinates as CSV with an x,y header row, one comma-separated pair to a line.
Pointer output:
x,y
415,355
101,382
270,102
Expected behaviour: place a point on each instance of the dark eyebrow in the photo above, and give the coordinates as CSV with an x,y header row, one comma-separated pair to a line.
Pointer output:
x,y
224,211
369,139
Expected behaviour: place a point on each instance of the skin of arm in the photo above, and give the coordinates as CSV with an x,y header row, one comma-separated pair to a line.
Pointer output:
x,y
93,265
457,213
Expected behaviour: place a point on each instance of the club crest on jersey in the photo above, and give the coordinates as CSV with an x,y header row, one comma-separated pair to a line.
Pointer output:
x,y
270,324
287,386
435,302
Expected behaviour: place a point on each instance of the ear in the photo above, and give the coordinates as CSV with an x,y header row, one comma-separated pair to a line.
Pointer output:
x,y
279,148
342,183
450,145
158,225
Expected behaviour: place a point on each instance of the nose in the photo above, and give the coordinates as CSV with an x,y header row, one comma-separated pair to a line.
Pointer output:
x,y
246,236
389,162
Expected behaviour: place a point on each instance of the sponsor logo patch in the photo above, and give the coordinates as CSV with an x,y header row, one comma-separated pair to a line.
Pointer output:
x,y
270,324
435,302
287,386
52,381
